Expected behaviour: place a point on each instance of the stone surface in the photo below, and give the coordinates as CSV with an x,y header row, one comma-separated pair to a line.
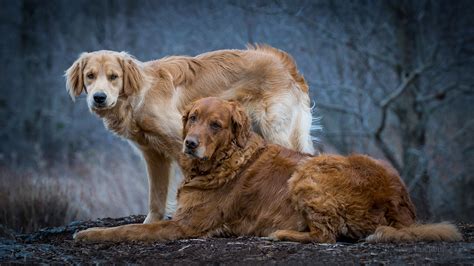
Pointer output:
x,y
55,245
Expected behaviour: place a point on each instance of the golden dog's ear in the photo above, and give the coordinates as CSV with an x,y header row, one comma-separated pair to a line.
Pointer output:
x,y
185,116
74,77
240,124
132,75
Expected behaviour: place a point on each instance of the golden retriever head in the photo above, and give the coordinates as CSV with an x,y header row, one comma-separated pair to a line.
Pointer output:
x,y
211,125
104,76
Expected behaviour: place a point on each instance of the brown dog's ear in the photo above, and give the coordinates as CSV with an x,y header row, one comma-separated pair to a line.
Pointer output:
x,y
74,77
240,124
185,116
132,74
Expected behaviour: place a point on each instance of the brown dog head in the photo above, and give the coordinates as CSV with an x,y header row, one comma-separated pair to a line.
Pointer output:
x,y
211,124
104,76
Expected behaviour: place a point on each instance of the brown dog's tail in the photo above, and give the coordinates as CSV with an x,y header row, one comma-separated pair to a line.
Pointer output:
x,y
286,60
418,232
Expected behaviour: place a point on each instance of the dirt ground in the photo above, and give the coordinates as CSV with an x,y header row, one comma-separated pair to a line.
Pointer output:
x,y
55,245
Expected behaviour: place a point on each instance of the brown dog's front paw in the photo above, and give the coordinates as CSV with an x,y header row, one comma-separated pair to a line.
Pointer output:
x,y
91,234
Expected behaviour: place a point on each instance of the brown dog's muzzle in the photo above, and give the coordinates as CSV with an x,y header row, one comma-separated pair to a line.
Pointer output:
x,y
191,143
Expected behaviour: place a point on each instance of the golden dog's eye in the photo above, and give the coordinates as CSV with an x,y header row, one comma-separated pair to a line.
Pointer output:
x,y
192,119
113,77
215,125
90,76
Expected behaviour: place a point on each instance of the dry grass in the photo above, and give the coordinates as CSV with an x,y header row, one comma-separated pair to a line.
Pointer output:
x,y
28,203
93,185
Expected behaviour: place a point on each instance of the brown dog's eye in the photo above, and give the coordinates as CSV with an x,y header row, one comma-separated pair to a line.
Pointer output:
x,y
113,77
215,125
192,119
90,76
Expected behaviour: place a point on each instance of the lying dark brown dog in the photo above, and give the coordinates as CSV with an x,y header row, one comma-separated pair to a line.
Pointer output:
x,y
236,184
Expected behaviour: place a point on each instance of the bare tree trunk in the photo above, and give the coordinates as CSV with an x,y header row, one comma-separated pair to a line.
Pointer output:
x,y
410,114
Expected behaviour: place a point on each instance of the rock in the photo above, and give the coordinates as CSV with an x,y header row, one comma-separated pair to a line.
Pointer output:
x,y
55,245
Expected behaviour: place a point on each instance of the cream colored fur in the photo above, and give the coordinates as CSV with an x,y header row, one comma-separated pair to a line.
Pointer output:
x,y
145,101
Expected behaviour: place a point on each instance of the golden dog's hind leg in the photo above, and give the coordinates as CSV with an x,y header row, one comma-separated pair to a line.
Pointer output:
x,y
284,124
159,231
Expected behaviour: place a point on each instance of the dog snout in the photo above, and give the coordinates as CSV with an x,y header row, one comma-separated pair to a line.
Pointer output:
x,y
191,143
100,97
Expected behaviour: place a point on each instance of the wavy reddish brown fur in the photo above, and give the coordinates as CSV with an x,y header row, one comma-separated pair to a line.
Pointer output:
x,y
147,99
260,189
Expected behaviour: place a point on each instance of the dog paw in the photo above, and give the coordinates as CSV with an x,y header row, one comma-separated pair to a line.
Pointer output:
x,y
267,238
152,217
275,236
86,235
379,234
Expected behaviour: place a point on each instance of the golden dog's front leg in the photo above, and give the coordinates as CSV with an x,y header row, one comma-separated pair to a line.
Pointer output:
x,y
158,167
160,231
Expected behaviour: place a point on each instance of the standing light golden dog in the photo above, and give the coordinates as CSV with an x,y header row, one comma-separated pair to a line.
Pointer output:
x,y
236,184
143,101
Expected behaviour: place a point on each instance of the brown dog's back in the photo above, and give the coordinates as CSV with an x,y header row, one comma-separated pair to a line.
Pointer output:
x,y
351,196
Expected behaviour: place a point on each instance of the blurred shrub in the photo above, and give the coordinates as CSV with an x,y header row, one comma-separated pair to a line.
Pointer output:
x,y
28,203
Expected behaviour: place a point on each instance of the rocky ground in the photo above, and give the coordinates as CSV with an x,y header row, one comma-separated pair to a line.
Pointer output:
x,y
55,245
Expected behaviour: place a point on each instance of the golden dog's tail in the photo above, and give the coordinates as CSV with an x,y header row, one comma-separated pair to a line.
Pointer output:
x,y
286,60
417,232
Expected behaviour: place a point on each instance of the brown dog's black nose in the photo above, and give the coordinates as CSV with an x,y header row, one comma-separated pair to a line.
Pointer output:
x,y
191,143
100,97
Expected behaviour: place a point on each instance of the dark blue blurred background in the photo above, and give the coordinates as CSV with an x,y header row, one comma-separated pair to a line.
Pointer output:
x,y
393,79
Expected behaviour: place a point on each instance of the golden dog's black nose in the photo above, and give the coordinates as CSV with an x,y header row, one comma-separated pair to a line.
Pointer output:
x,y
100,97
191,143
